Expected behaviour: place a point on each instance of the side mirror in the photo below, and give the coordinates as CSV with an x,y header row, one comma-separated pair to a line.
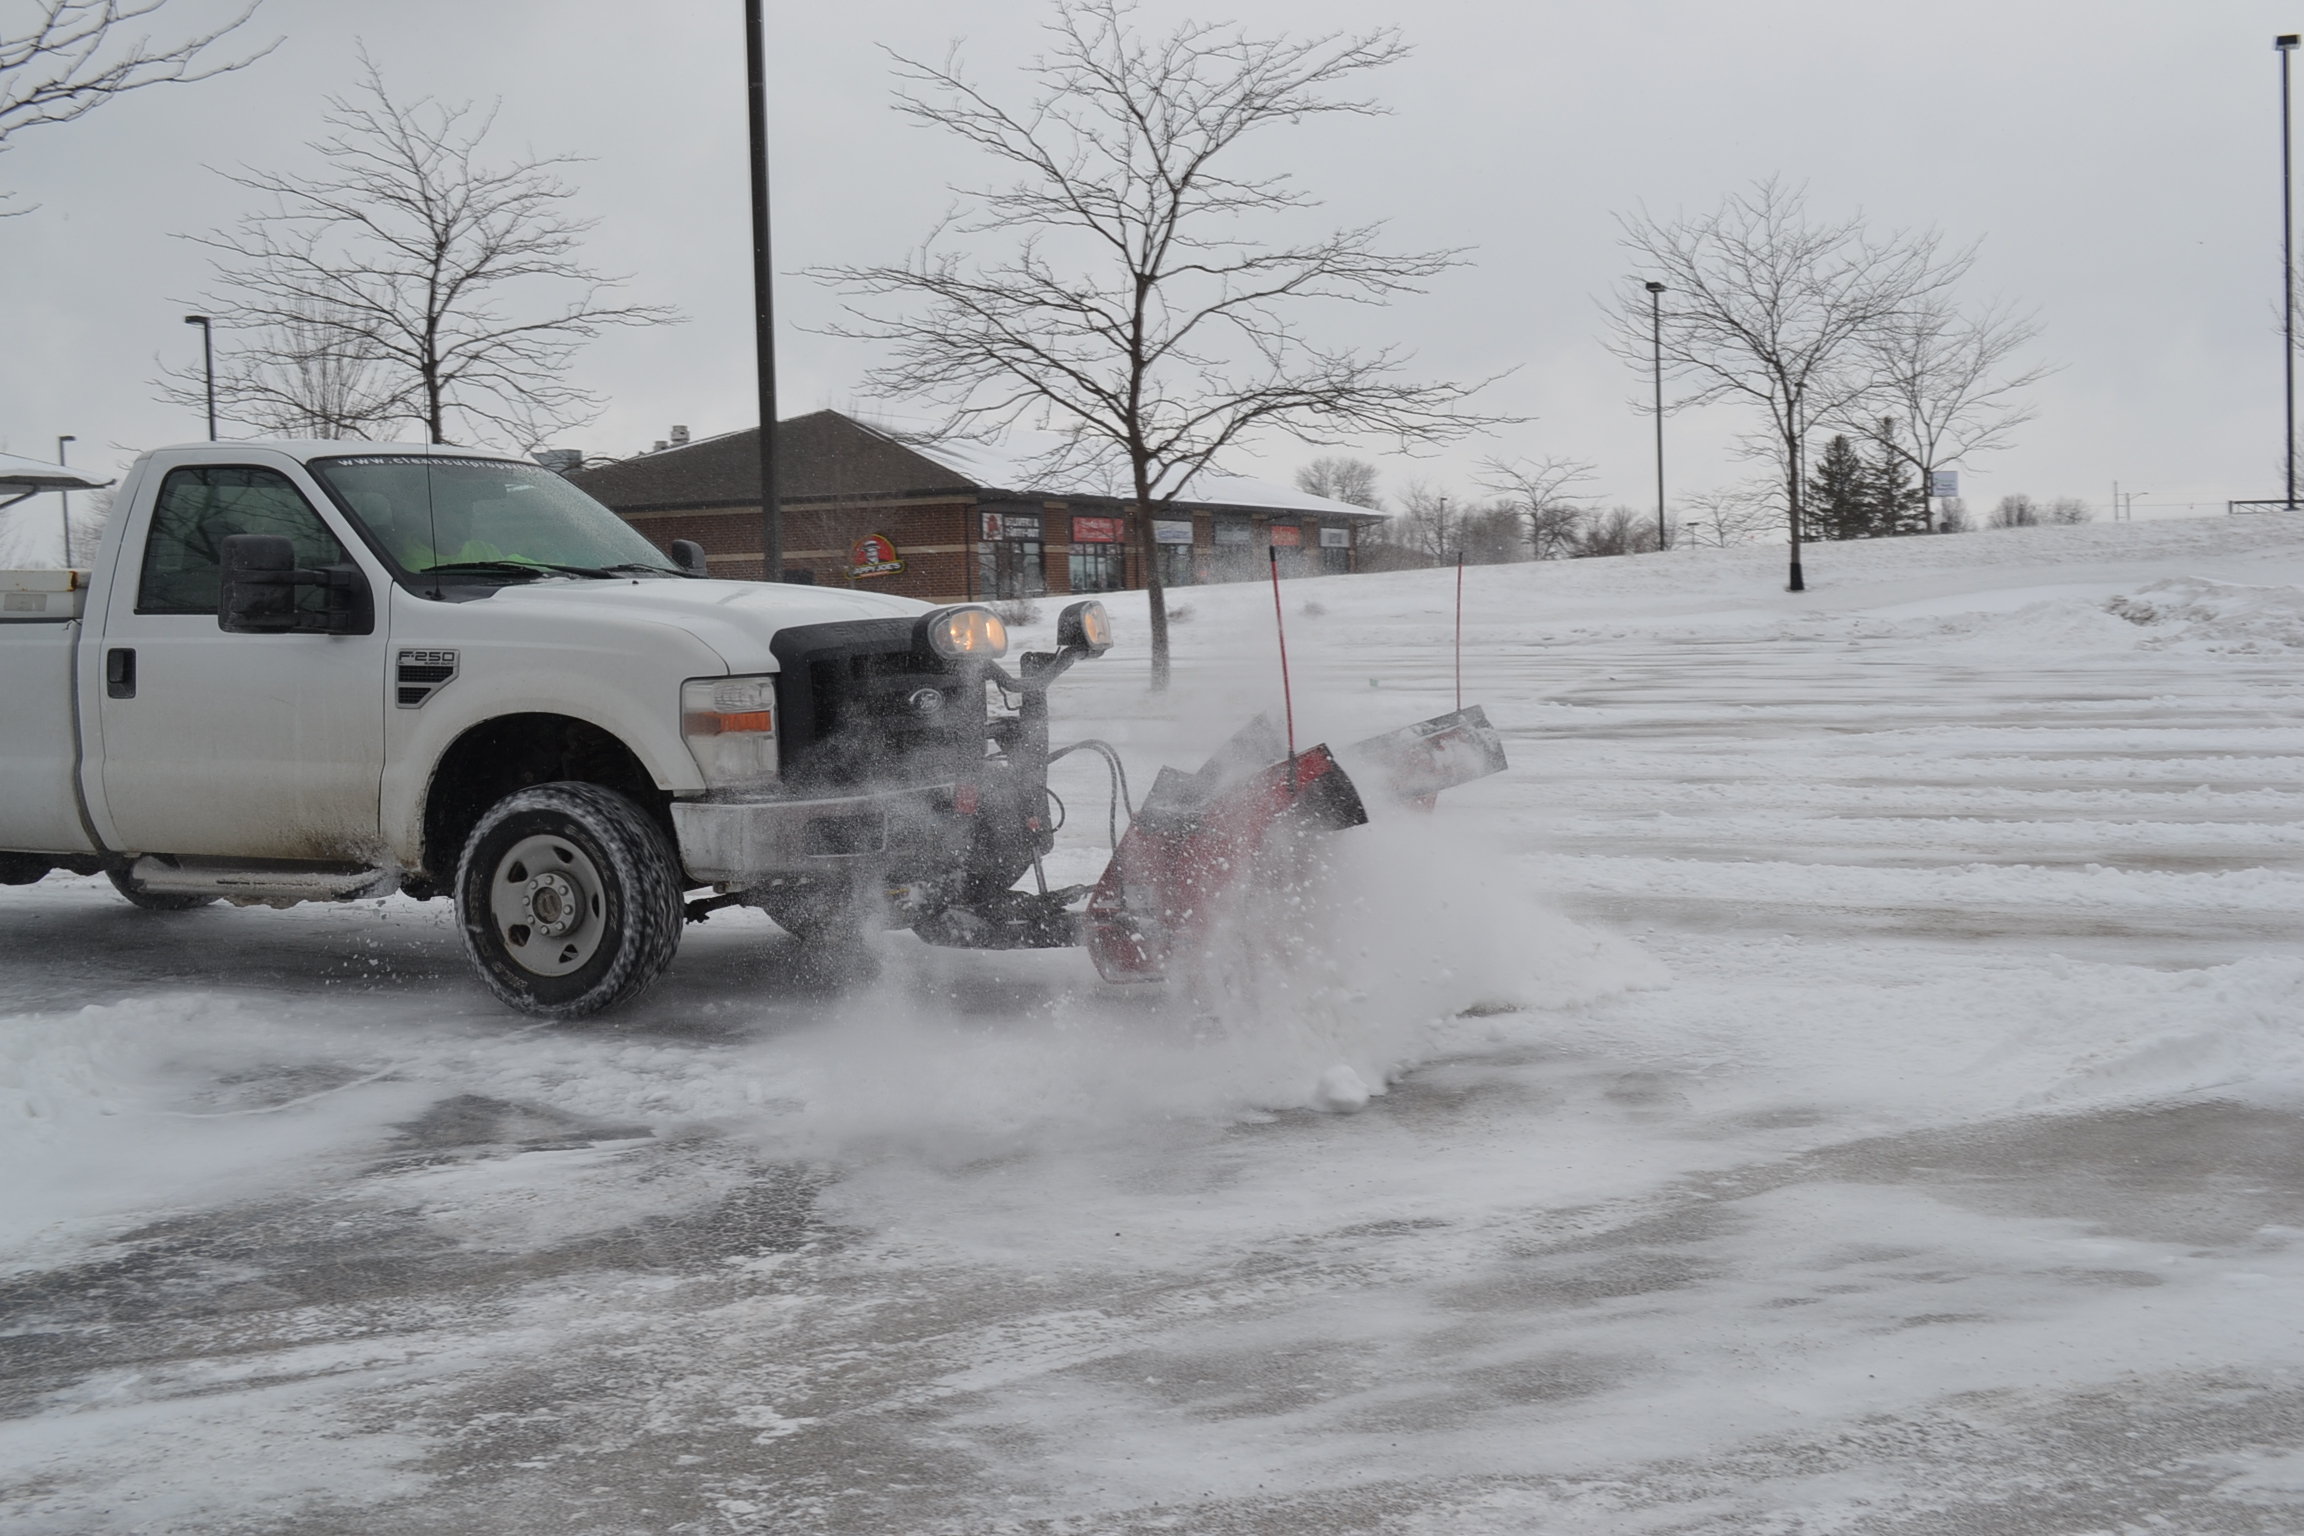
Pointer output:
x,y
256,591
256,594
689,556
1084,627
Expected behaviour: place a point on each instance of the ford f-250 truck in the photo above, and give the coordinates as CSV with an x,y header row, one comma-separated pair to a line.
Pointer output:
x,y
320,671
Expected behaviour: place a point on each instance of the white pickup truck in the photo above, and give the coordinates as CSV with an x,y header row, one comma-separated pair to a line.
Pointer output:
x,y
319,671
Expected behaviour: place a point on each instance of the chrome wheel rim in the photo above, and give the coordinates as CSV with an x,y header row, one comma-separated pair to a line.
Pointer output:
x,y
546,899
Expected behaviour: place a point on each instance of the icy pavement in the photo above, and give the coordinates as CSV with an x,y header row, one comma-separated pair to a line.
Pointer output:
x,y
1843,1078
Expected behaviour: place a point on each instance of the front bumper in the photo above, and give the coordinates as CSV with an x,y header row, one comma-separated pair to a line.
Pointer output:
x,y
738,842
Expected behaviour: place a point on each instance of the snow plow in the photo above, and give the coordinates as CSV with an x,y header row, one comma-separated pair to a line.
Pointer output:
x,y
1199,837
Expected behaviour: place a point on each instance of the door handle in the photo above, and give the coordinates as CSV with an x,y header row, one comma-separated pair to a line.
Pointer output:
x,y
120,672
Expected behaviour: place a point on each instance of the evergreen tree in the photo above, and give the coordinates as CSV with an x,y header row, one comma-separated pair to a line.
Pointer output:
x,y
1839,494
1893,498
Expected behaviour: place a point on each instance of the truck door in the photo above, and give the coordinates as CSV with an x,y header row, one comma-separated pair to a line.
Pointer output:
x,y
238,746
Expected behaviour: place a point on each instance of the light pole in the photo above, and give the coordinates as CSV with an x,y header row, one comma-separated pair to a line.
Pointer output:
x,y
208,363
2285,44
763,304
1656,363
64,499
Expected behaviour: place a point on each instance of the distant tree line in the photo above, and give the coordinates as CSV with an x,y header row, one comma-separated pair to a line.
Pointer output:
x,y
1532,511
1522,510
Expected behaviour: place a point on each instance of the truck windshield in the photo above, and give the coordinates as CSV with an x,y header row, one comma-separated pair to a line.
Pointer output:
x,y
484,520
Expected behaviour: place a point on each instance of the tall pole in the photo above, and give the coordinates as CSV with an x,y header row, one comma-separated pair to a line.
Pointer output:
x,y
64,499
2286,44
763,301
1656,360
208,363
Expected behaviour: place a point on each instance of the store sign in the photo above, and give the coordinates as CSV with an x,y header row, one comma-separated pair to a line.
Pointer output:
x,y
1944,482
1286,538
1235,533
1011,525
1099,530
1335,538
1178,532
874,555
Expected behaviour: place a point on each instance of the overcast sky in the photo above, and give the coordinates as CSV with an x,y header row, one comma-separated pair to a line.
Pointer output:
x,y
2119,162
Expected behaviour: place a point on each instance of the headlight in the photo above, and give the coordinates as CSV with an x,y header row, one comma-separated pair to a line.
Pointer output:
x,y
729,724
1086,627
966,634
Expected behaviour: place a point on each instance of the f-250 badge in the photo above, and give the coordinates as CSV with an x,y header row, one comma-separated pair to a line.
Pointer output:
x,y
421,675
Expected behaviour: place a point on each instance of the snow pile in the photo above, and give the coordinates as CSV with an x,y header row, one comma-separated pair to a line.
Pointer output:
x,y
2160,1035
2192,613
2183,613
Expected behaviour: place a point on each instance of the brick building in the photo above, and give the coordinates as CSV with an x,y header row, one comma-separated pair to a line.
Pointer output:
x,y
953,522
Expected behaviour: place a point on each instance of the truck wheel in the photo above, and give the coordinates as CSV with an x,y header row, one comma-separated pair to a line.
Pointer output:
x,y
152,901
569,899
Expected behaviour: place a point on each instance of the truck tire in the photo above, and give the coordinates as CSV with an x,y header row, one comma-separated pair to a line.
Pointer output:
x,y
569,899
152,901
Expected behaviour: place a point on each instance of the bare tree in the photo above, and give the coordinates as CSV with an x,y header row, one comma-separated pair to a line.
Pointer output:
x,y
1764,305
1537,491
1433,527
1340,477
2067,511
1949,380
1617,531
1427,527
1731,514
308,374
379,290
1132,311
86,529
2017,511
74,55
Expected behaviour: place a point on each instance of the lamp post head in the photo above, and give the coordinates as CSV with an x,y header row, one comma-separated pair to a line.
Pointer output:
x,y
195,319
1655,287
2285,41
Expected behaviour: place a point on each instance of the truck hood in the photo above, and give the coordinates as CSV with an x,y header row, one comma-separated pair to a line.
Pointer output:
x,y
737,619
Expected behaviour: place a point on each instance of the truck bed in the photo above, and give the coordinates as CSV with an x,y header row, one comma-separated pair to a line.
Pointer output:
x,y
39,631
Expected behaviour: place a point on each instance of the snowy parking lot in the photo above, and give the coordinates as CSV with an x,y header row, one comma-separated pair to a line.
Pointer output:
x,y
1844,1077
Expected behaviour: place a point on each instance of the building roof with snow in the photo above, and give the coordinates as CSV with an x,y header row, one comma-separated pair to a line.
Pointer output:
x,y
831,457
964,520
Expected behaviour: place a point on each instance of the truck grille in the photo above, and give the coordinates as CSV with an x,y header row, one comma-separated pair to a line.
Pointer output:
x,y
860,708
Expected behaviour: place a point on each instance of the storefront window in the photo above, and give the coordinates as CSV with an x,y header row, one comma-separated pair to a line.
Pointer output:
x,y
1011,562
1099,567
1176,566
1099,554
1287,542
1173,538
1237,556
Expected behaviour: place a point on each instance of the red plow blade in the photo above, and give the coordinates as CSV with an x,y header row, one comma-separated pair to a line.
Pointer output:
x,y
1198,835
